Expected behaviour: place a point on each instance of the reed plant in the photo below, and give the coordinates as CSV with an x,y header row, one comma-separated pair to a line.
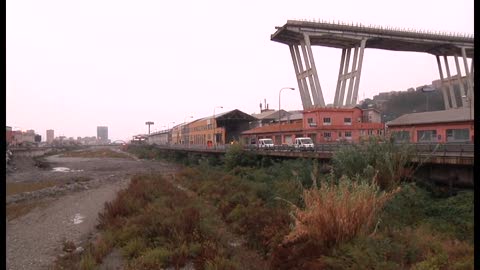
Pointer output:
x,y
337,212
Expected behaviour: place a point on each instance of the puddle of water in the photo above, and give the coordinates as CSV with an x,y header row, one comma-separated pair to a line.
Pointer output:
x,y
61,169
64,169
77,219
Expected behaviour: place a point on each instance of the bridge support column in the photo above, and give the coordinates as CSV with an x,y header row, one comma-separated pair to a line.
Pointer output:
x,y
353,76
469,76
447,84
310,91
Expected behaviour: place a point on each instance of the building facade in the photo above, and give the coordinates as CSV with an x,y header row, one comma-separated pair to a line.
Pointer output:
x,y
20,138
160,138
50,135
322,125
9,135
341,124
447,126
102,134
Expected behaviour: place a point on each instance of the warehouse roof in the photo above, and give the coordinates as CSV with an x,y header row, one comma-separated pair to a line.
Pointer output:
x,y
452,115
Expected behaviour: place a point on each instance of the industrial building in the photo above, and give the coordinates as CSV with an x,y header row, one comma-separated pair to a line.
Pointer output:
x,y
447,126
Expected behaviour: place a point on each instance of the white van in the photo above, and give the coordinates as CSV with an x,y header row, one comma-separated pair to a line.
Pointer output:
x,y
304,143
265,144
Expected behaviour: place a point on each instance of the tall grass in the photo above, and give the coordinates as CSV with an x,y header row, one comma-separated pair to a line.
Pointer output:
x,y
335,213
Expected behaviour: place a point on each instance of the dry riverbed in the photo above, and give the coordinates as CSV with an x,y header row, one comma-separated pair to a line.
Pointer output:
x,y
59,201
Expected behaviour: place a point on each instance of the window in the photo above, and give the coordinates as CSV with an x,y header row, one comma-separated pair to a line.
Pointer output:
x,y
347,121
401,136
348,134
427,136
311,123
327,121
458,135
339,134
327,135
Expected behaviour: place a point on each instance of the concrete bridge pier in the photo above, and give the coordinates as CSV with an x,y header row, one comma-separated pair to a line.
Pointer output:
x,y
311,91
353,76
463,81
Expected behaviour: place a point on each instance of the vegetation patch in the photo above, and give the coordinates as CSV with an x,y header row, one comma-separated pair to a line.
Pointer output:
x,y
13,188
157,225
15,210
95,153
364,213
390,162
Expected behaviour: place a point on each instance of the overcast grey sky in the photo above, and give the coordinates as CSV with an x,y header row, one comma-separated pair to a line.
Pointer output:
x,y
75,65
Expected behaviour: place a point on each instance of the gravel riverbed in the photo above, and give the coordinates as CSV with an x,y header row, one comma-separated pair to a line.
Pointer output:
x,y
70,209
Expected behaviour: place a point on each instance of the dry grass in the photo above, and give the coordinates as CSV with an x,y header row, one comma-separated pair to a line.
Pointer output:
x,y
16,210
336,213
20,187
97,153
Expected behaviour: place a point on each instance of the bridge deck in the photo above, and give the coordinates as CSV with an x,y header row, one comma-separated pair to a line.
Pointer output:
x,y
347,36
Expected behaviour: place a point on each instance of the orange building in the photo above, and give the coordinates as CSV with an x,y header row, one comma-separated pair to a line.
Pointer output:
x,y
448,126
341,124
202,132
323,125
284,133
221,129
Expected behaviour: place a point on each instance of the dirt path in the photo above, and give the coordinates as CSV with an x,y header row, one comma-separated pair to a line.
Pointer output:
x,y
35,239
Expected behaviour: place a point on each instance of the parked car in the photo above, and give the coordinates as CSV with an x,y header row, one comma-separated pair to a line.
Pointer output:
x,y
304,144
265,144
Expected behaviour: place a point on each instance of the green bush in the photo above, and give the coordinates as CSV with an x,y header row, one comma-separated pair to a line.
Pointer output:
x,y
413,206
363,253
236,156
391,162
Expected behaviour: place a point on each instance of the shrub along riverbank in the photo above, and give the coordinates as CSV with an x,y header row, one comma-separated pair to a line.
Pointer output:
x,y
362,211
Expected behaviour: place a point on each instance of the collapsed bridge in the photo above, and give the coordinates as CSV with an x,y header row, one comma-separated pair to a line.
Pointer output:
x,y
301,35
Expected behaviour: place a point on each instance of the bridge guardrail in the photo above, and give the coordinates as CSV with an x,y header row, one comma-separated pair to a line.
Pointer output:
x,y
425,148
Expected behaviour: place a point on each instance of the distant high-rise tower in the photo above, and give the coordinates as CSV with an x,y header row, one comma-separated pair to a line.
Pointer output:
x,y
102,134
50,135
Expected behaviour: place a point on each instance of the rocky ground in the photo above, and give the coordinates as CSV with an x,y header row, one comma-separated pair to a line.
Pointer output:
x,y
68,210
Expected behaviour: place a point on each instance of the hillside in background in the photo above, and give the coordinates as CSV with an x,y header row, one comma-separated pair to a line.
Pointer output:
x,y
394,104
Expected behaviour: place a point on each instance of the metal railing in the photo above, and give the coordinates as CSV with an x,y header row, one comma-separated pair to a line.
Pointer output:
x,y
447,149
